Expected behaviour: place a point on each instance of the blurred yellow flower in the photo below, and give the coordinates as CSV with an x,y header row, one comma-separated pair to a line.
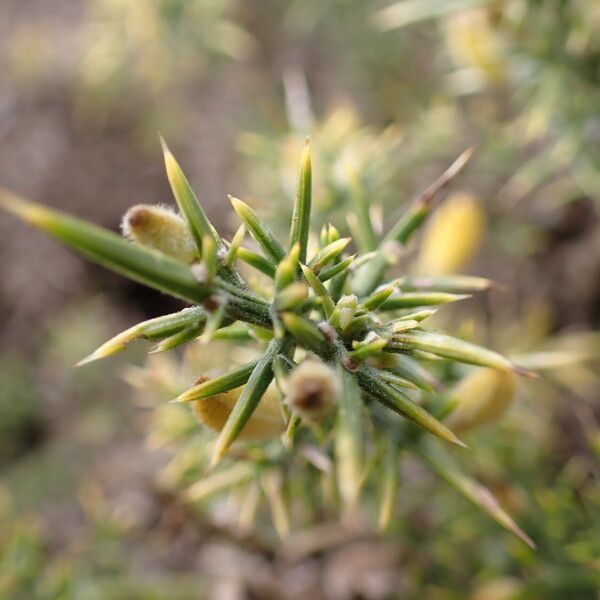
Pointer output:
x,y
482,397
265,423
452,237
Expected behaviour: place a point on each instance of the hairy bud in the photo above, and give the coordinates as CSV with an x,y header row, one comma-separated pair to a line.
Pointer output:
x,y
160,228
312,390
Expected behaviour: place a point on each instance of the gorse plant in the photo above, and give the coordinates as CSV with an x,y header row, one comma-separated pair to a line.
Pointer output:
x,y
339,367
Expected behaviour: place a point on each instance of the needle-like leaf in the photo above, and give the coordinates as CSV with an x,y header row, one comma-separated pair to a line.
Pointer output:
x,y
349,440
418,316
259,262
396,380
302,206
235,245
319,289
221,481
447,469
253,391
367,349
378,298
209,258
106,248
153,329
370,381
188,203
336,269
179,338
259,230
237,332
272,484
410,369
447,283
369,278
450,347
389,483
414,299
327,254
287,268
218,385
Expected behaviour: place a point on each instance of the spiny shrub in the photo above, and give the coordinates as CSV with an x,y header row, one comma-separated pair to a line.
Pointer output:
x,y
340,366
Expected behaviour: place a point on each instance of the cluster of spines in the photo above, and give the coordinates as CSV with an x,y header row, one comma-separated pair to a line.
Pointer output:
x,y
330,306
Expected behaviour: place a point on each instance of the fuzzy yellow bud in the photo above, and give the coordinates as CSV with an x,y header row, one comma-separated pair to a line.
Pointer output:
x,y
160,228
312,390
265,423
453,236
482,397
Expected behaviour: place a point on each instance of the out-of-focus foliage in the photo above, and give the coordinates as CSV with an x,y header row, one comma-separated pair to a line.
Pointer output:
x,y
20,410
351,159
24,570
528,72
130,62
94,566
151,53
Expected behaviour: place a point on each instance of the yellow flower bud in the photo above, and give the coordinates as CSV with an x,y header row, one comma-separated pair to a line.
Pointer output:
x,y
482,397
265,423
312,390
452,237
160,228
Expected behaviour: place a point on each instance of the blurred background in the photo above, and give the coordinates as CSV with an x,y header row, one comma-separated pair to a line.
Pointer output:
x,y
395,91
